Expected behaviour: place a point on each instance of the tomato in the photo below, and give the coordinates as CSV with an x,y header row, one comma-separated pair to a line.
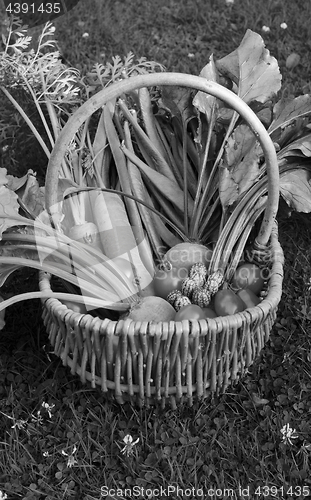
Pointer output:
x,y
209,313
248,276
166,281
227,302
248,297
190,312
184,255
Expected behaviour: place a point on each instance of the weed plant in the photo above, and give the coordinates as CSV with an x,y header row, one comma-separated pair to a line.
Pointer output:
x,y
62,440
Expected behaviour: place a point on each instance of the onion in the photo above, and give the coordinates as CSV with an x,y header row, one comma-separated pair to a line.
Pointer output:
x,y
152,309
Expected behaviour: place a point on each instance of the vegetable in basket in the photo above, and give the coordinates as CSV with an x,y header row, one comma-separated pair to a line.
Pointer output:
x,y
248,276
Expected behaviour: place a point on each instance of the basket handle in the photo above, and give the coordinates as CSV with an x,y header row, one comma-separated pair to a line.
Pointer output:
x,y
170,79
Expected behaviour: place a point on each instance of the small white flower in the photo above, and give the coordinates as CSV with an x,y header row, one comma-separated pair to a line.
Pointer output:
x,y
48,408
191,55
265,29
129,445
85,35
229,2
3,496
71,461
46,454
37,419
283,26
52,29
308,280
288,434
20,424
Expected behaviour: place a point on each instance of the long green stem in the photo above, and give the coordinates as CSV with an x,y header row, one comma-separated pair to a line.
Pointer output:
x,y
65,263
205,223
240,245
85,285
103,272
121,193
185,176
234,224
138,190
151,149
195,219
88,301
170,156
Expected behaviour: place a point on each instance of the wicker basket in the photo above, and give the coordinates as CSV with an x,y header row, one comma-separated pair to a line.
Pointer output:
x,y
166,362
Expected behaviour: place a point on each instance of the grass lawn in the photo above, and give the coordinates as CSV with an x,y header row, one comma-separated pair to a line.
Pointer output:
x,y
62,440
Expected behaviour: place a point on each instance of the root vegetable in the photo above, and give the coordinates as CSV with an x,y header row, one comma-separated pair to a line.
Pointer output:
x,y
248,275
152,309
86,233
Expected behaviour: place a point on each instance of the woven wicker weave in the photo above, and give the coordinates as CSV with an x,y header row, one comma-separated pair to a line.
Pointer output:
x,y
164,362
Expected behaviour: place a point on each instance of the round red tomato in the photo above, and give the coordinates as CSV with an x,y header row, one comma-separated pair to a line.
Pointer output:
x,y
165,282
209,313
248,276
227,303
190,312
248,297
